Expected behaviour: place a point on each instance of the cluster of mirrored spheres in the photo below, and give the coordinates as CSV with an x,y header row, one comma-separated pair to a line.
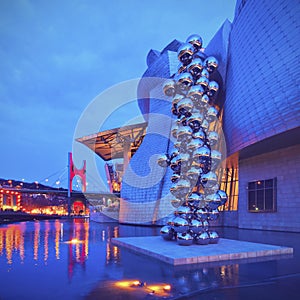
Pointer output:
x,y
194,159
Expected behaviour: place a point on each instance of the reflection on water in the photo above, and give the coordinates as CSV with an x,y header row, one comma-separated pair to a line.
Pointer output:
x,y
75,259
12,240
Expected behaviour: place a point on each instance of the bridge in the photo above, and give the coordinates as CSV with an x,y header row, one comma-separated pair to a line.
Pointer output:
x,y
52,201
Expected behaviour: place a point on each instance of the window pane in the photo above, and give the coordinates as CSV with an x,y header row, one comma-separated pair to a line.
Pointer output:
x,y
269,183
260,199
269,199
260,184
251,200
251,185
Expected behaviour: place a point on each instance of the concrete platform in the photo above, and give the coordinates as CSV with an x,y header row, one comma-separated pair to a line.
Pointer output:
x,y
172,253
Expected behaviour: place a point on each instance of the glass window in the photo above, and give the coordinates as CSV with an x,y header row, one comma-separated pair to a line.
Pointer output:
x,y
230,185
262,195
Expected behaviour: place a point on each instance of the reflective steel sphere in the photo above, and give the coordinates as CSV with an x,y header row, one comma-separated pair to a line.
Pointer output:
x,y
213,88
214,215
170,222
205,124
202,238
205,73
174,164
213,200
195,68
183,210
184,239
223,196
194,197
169,87
193,174
174,153
213,189
203,81
163,160
195,121
181,225
185,53
181,68
216,157
175,177
184,133
213,138
211,114
177,98
185,106
200,135
176,203
180,188
195,40
183,82
181,145
209,179
204,100
185,160
196,226
202,214
194,144
195,93
167,233
211,63
200,153
182,119
205,225
213,237
174,130
177,145
174,110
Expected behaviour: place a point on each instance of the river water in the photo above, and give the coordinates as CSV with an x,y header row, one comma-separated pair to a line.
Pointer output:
x,y
75,259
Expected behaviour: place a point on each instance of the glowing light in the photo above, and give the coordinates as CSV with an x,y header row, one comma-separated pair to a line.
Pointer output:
x,y
128,284
74,241
167,288
159,289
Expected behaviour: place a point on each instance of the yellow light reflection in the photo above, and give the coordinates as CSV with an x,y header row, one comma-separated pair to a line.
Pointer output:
x,y
36,240
46,239
57,235
74,241
9,245
12,240
22,248
159,289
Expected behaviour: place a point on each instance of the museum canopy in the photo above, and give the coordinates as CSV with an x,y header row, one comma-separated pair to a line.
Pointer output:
x,y
115,143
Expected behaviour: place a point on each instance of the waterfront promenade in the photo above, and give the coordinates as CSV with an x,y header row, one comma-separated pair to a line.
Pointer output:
x,y
12,216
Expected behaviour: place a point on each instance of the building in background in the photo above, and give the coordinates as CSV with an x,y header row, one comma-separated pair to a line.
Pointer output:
x,y
259,54
259,63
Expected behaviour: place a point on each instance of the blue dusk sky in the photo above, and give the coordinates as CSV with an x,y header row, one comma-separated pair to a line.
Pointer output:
x,y
57,56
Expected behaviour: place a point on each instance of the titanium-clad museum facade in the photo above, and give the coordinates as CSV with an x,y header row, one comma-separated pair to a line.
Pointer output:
x,y
258,58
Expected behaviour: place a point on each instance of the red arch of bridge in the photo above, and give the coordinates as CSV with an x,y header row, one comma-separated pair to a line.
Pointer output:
x,y
73,171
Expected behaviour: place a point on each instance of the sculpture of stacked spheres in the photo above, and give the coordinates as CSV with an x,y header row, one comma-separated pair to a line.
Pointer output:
x,y
194,160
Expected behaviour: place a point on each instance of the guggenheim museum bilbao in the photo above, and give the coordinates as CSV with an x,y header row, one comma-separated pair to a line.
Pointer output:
x,y
258,106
